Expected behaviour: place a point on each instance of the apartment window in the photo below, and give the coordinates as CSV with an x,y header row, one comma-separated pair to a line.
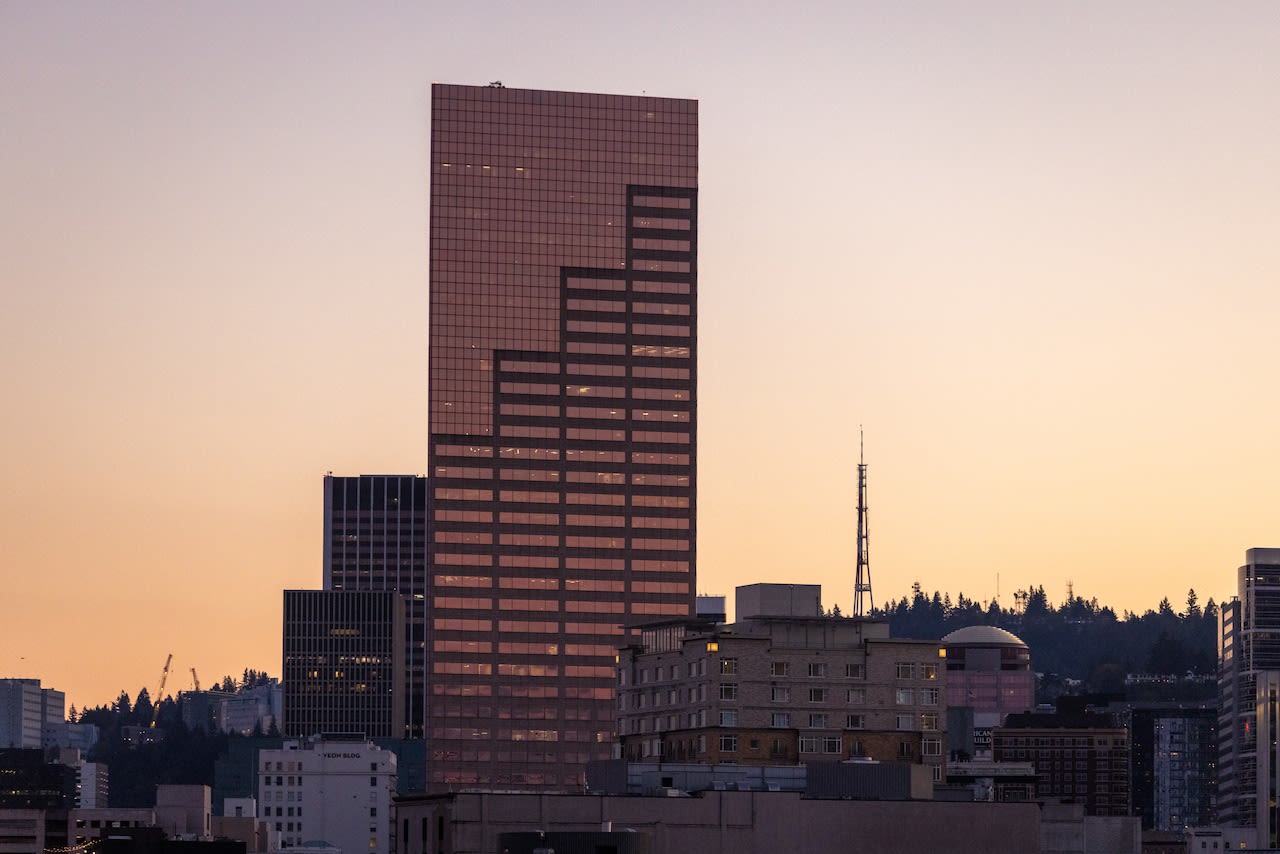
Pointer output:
x,y
855,722
905,751
855,671
929,671
373,812
906,670
937,773
728,666
780,719
780,695
728,717
928,696
817,670
929,721
931,747
856,696
818,721
728,744
780,668
729,691
373,781
906,721
831,745
904,697
817,695
809,744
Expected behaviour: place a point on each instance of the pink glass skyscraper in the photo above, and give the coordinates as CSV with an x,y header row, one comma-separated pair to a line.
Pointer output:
x,y
562,417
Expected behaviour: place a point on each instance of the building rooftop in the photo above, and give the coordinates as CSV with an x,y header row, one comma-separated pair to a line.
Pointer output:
x,y
983,636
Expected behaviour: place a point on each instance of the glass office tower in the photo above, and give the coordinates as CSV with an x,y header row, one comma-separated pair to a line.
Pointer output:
x,y
375,531
562,417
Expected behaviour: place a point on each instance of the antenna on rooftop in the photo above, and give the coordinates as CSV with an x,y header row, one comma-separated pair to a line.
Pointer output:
x,y
862,582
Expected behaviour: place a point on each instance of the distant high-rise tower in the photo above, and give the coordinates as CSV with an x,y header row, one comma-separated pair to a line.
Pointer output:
x,y
562,417
1248,676
375,539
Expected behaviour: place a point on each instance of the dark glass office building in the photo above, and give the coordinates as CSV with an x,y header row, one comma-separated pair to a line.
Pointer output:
x,y
375,539
343,665
562,420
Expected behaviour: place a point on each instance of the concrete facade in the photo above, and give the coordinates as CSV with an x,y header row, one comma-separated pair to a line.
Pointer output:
x,y
184,811
775,689
31,831
94,784
336,791
31,716
738,822
87,824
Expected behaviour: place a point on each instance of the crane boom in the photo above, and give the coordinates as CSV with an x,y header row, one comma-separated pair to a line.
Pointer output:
x,y
195,680
164,677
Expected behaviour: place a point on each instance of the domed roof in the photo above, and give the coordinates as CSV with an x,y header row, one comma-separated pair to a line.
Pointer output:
x,y
982,636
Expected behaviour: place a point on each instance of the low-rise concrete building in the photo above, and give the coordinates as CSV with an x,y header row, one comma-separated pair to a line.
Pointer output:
x,y
782,684
32,830
184,812
741,822
87,824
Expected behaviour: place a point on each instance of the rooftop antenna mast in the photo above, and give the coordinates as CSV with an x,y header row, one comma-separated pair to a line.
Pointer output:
x,y
862,583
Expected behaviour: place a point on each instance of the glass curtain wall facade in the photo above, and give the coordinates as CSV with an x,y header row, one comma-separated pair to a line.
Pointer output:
x,y
1249,649
343,667
562,416
375,539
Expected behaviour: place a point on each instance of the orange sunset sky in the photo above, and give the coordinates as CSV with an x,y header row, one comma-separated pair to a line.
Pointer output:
x,y
1032,247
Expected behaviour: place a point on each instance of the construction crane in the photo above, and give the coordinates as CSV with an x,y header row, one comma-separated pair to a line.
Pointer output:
x,y
164,677
195,680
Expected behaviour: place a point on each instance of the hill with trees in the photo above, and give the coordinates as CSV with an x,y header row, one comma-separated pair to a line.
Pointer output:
x,y
172,752
1078,639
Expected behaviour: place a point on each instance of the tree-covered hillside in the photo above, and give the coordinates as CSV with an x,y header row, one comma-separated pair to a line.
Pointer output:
x,y
1078,639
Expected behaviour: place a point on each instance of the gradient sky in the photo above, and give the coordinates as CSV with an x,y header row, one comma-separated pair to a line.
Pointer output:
x,y
1032,247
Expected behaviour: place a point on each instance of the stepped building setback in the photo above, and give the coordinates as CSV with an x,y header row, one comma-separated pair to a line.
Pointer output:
x,y
562,417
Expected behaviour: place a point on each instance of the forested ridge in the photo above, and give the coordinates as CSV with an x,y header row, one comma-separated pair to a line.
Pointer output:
x,y
170,752
1078,639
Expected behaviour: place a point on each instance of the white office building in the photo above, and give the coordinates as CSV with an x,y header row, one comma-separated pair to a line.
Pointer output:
x,y
330,790
31,716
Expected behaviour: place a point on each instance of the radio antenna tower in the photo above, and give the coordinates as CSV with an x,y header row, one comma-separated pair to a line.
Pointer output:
x,y
862,598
